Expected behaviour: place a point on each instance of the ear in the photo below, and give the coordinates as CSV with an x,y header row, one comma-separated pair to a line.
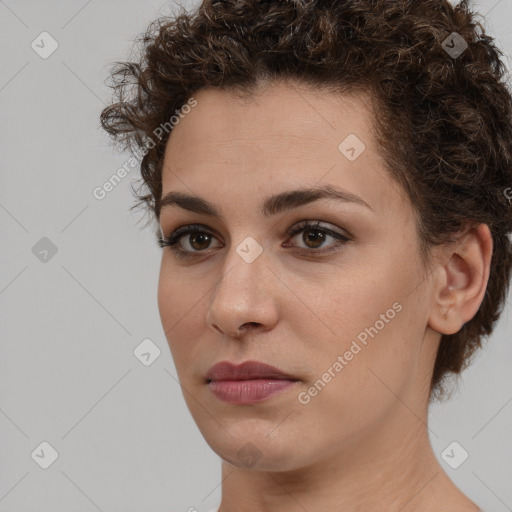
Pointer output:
x,y
462,276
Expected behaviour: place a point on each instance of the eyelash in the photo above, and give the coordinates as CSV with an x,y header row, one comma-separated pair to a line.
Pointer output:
x,y
172,240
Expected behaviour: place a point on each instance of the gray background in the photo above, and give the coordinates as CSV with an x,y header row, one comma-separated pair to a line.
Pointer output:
x,y
68,374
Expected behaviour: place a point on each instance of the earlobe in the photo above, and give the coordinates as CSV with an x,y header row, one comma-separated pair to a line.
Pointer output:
x,y
462,281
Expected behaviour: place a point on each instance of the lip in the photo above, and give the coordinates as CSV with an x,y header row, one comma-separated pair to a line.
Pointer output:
x,y
248,383
247,370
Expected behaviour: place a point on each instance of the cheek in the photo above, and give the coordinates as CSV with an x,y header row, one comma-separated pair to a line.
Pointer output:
x,y
182,312
372,327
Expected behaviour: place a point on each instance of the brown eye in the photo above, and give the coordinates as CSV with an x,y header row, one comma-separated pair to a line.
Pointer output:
x,y
195,241
188,240
199,241
314,236
192,240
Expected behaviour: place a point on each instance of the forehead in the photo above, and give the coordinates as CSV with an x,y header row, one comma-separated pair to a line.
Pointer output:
x,y
281,136
284,112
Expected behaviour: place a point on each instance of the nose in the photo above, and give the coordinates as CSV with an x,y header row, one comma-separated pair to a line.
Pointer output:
x,y
245,298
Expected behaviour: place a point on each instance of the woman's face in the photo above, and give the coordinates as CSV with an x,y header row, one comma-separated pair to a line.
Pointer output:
x,y
348,320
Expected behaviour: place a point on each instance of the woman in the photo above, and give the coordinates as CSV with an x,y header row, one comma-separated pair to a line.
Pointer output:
x,y
329,182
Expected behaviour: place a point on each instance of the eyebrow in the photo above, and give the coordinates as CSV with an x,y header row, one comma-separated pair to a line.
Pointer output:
x,y
271,205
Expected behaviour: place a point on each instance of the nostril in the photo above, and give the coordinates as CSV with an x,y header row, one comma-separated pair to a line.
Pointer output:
x,y
256,324
216,327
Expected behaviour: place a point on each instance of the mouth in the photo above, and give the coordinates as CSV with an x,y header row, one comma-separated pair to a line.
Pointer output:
x,y
248,383
249,370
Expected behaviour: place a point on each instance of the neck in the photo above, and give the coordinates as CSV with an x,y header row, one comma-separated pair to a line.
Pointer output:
x,y
389,467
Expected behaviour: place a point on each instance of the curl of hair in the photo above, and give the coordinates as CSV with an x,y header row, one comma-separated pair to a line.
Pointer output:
x,y
444,124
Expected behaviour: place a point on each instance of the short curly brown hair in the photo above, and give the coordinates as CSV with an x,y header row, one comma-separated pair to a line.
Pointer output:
x,y
444,124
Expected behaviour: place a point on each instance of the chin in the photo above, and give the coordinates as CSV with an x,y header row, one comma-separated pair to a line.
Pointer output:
x,y
250,447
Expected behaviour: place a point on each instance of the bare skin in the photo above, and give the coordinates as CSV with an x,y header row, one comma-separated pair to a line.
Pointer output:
x,y
360,443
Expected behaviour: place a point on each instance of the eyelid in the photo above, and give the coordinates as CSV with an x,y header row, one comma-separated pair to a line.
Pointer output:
x,y
340,237
306,220
187,229
307,223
